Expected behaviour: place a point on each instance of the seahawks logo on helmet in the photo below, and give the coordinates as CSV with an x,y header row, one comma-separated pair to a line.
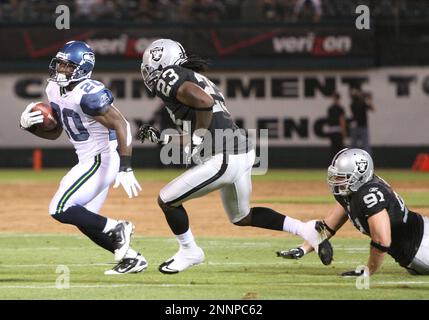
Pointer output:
x,y
362,166
156,53
88,57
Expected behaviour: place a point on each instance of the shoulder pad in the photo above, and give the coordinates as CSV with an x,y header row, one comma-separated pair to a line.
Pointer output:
x,y
97,103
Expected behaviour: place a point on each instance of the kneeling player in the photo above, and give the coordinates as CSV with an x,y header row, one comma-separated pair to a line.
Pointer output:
x,y
375,210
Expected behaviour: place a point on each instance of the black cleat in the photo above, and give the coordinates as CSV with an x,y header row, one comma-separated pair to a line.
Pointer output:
x,y
325,252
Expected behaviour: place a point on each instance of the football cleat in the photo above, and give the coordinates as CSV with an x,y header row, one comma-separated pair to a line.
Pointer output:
x,y
315,233
295,253
121,238
182,260
129,265
325,252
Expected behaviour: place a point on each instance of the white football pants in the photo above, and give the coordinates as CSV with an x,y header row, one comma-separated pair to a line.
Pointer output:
x,y
86,184
230,174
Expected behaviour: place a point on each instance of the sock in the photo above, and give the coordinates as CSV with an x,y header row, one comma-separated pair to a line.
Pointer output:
x,y
186,240
303,249
292,225
267,218
82,218
131,254
98,237
110,224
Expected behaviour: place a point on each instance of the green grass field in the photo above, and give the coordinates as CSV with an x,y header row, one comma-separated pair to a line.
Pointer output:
x,y
236,268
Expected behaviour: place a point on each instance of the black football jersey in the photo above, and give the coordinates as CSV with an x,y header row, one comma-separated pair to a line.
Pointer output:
x,y
234,141
406,226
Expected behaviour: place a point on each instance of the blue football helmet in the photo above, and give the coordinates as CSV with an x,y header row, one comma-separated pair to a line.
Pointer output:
x,y
76,56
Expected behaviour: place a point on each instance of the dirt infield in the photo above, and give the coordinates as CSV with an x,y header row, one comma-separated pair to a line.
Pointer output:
x,y
24,208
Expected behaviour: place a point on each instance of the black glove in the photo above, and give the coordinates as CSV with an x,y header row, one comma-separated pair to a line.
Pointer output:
x,y
352,273
295,253
150,133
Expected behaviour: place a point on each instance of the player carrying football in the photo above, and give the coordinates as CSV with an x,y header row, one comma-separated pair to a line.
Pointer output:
x,y
96,129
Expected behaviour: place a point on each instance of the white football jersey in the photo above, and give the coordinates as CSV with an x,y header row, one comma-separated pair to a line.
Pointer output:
x,y
76,110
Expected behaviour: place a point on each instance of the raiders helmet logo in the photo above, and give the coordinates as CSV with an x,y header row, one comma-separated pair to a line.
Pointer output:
x,y
362,166
156,53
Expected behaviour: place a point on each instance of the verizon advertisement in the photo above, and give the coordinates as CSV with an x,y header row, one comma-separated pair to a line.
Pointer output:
x,y
292,105
323,41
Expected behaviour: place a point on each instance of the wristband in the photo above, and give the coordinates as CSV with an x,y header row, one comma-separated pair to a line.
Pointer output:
x,y
125,163
203,109
331,231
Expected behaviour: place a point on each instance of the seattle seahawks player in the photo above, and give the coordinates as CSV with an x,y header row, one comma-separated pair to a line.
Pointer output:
x,y
96,129
224,154
377,211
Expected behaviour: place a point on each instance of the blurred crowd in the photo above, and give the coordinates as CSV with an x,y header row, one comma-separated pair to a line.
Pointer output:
x,y
191,11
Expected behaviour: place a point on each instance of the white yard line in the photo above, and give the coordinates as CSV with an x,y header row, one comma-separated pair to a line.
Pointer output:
x,y
280,262
399,282
44,265
212,285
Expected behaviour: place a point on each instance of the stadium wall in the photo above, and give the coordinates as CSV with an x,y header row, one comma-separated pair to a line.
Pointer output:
x,y
292,105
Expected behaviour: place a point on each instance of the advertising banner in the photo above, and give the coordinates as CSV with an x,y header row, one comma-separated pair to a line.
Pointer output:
x,y
289,41
292,105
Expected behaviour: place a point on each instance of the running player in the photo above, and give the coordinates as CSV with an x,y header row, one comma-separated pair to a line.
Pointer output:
x,y
96,129
197,106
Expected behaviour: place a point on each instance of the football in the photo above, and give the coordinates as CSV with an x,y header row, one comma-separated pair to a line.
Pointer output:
x,y
50,121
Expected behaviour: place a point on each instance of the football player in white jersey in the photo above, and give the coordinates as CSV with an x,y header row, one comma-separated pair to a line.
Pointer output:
x,y
192,99
102,138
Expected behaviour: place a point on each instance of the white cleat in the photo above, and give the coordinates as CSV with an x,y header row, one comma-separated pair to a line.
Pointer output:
x,y
121,238
129,265
182,260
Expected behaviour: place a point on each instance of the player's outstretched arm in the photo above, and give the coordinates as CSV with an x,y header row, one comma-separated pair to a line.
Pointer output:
x,y
329,226
379,227
113,119
29,120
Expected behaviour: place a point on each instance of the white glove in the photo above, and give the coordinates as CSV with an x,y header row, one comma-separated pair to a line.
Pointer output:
x,y
192,150
128,182
29,118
